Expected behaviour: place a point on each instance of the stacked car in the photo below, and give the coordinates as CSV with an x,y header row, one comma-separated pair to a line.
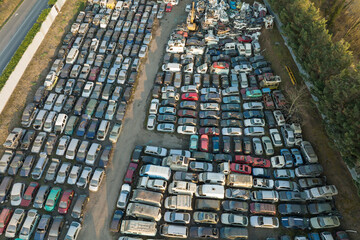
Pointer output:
x,y
65,140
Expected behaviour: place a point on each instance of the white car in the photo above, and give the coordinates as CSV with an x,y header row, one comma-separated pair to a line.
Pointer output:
x,y
186,130
231,131
277,161
209,106
147,39
253,106
200,166
245,68
264,222
29,224
209,90
254,131
258,149
84,178
234,219
151,122
63,173
286,185
156,151
288,135
168,89
254,122
38,142
63,143
88,89
268,147
124,196
263,183
177,217
189,88
17,193
143,51
166,127
96,179
74,174
73,231
275,137
279,118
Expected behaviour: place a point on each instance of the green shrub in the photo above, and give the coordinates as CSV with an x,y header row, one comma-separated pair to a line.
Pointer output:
x,y
52,2
332,70
43,15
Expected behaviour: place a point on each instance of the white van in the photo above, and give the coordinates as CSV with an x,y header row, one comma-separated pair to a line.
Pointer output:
x,y
248,50
212,178
175,49
60,123
92,154
144,211
210,191
153,171
72,149
119,5
244,83
171,67
103,130
241,49
72,56
49,122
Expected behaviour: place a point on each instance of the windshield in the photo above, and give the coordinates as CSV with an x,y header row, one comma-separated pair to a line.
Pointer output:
x,y
50,202
63,204
25,231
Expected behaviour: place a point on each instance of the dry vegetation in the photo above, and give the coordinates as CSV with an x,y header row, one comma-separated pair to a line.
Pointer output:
x,y
7,7
37,69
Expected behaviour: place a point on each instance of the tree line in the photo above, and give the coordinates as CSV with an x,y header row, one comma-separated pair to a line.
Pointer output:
x,y
332,70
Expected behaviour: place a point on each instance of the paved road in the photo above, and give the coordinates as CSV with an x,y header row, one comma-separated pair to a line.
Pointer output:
x,y
102,204
15,30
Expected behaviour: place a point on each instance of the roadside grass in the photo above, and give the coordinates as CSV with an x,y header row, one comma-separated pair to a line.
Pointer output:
x,y
38,68
335,170
7,8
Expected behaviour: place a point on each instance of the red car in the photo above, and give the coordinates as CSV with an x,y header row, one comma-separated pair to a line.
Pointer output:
x,y
168,7
5,216
204,143
263,208
29,194
211,131
220,65
190,96
94,73
279,99
243,159
65,201
240,168
187,113
244,39
261,162
129,176
268,102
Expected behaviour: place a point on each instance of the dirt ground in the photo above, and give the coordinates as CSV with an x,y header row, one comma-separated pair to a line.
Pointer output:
x,y
347,201
37,69
7,7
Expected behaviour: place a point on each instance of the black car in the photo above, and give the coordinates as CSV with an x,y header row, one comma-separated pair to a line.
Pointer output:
x,y
78,87
231,115
253,114
269,117
230,107
16,163
136,153
231,123
209,123
69,104
235,206
237,145
292,209
226,144
211,97
222,157
40,96
247,145
42,227
27,140
27,166
151,160
161,118
105,156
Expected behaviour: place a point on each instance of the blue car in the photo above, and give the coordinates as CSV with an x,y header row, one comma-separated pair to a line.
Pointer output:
x,y
284,173
295,222
289,161
193,145
92,128
253,114
297,155
82,126
216,144
314,236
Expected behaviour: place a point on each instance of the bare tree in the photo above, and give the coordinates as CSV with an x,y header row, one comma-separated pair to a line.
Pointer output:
x,y
296,102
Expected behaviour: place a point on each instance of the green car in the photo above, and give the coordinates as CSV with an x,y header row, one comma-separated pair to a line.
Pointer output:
x,y
255,93
71,124
90,108
194,139
52,199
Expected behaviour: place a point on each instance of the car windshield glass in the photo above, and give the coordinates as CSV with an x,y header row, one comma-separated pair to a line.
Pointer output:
x,y
50,202
25,231
63,204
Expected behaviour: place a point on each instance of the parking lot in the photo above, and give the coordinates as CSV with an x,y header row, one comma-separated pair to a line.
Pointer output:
x,y
216,132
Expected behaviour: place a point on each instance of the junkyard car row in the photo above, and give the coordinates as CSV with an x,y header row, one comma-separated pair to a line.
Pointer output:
x,y
65,142
247,164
